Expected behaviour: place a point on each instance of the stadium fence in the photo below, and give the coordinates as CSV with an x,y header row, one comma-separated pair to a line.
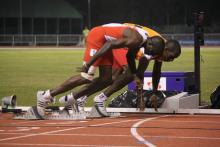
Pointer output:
x,y
77,39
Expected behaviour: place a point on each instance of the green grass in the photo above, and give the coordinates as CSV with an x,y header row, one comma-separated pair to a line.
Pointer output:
x,y
23,72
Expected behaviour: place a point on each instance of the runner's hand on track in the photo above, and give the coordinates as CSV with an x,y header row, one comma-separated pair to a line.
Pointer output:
x,y
139,89
138,82
153,100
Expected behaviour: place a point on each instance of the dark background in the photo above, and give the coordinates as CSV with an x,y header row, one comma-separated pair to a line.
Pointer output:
x,y
165,16
152,12
155,13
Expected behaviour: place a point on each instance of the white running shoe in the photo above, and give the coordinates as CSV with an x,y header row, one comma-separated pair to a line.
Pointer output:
x,y
100,104
69,102
81,103
43,100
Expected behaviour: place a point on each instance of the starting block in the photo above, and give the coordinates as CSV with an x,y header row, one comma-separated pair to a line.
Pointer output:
x,y
94,113
52,114
182,103
60,113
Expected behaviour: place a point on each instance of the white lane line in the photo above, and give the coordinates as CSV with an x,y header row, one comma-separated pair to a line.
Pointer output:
x,y
30,135
65,122
68,129
23,129
140,139
184,137
182,121
122,135
199,115
55,145
24,122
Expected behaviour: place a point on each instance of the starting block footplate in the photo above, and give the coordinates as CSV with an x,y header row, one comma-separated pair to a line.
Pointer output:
x,y
62,114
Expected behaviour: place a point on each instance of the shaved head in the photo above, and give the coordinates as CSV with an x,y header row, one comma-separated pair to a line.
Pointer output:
x,y
155,45
173,47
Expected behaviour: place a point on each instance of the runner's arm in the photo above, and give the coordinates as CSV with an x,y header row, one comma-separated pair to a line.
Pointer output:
x,y
156,74
142,66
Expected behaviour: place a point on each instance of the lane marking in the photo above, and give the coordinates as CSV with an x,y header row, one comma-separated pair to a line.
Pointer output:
x,y
122,135
22,129
65,122
200,115
31,135
24,122
140,139
180,121
69,123
183,137
68,129
59,145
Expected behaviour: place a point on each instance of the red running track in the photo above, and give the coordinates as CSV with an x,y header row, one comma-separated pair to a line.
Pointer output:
x,y
130,130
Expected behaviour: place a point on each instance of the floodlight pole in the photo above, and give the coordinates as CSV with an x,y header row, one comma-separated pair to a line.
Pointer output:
x,y
198,40
20,13
89,14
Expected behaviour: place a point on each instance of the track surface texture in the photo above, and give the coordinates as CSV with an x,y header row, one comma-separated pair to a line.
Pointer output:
x,y
129,130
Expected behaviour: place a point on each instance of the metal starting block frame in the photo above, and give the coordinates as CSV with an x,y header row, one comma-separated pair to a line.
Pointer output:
x,y
182,103
62,114
32,114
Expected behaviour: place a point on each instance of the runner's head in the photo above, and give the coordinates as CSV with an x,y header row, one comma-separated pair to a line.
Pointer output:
x,y
171,51
154,46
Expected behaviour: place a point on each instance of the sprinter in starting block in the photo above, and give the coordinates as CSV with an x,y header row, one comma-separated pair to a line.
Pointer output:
x,y
99,53
153,49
